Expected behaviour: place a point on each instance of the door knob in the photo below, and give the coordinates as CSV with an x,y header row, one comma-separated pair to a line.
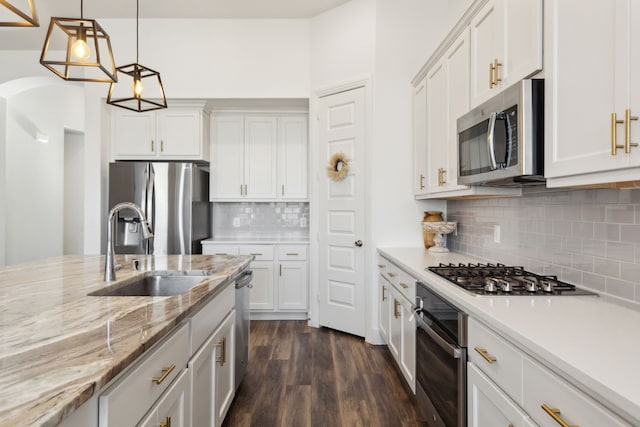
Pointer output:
x,y
358,243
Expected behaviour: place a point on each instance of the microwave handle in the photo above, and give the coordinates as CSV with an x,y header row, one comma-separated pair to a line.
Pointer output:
x,y
491,145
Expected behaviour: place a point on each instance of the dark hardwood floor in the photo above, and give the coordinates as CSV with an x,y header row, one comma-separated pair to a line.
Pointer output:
x,y
302,376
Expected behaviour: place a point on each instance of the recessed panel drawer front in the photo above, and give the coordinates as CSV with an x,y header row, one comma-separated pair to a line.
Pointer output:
x,y
205,321
292,253
547,396
260,252
382,265
407,285
125,402
215,249
495,357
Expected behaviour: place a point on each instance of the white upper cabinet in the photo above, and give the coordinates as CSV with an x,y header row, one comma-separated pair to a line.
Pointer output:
x,y
420,139
176,133
592,93
506,46
293,153
259,157
440,98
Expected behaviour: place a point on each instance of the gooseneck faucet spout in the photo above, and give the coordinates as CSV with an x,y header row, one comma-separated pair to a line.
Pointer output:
x,y
109,263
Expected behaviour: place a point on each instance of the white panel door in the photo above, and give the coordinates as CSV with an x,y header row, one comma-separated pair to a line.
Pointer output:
x,y
341,213
260,157
293,158
227,157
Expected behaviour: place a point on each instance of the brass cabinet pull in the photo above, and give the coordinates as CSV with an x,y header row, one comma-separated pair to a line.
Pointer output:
x,y
241,190
491,83
396,304
496,79
390,274
614,122
280,269
555,414
381,265
483,352
222,359
441,177
165,374
283,189
292,254
166,423
404,285
161,145
152,146
221,253
421,182
627,131
255,253
245,189
384,297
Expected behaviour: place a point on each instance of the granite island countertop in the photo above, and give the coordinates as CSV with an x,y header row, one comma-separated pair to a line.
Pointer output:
x,y
590,341
59,346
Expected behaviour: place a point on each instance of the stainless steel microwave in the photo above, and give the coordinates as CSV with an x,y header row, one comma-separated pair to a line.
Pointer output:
x,y
501,142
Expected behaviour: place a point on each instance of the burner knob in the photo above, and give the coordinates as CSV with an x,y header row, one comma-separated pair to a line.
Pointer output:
x,y
507,286
546,286
530,284
491,285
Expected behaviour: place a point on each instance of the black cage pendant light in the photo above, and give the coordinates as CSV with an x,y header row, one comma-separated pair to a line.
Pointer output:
x,y
78,50
16,17
133,80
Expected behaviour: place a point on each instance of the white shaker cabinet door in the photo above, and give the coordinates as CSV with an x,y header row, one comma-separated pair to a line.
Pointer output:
x,y
420,138
180,133
384,308
261,295
133,135
227,157
487,405
293,283
260,157
292,158
487,34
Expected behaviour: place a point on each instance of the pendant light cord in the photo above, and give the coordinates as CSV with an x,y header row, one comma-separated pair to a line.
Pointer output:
x,y
137,29
81,9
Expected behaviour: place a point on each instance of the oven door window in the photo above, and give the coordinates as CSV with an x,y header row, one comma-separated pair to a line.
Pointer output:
x,y
437,372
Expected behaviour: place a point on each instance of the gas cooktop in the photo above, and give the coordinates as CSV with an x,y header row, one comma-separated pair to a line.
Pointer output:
x,y
499,279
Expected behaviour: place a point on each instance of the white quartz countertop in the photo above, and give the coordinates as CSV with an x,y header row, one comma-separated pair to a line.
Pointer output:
x,y
258,240
591,342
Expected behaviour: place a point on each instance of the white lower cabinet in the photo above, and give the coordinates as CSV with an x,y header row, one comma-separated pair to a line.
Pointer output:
x,y
185,380
396,318
280,277
212,376
506,387
384,309
549,400
173,409
488,405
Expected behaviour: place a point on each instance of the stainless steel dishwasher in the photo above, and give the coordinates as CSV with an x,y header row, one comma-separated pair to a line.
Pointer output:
x,y
243,286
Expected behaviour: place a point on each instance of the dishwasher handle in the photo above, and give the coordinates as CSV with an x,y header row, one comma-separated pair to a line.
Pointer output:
x,y
243,279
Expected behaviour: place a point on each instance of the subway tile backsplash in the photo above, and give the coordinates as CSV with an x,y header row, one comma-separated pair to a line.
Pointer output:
x,y
590,238
253,219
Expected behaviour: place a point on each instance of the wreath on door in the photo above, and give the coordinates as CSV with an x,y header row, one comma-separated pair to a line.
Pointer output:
x,y
338,167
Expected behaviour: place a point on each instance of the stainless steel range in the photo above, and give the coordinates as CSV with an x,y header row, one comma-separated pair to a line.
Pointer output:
x,y
499,279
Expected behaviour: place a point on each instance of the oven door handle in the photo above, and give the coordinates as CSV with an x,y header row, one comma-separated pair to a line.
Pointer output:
x,y
453,351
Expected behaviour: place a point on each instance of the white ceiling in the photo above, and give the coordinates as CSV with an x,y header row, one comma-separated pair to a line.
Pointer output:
x,y
32,38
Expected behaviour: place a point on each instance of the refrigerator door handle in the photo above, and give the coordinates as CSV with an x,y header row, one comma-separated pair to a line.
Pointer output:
x,y
151,206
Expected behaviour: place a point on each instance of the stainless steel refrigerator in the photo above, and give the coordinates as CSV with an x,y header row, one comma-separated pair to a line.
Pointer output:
x,y
174,197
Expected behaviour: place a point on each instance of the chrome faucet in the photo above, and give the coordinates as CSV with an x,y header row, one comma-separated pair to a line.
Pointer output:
x,y
109,262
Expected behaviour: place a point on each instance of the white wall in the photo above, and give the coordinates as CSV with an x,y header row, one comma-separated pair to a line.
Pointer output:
x,y
33,172
73,207
219,58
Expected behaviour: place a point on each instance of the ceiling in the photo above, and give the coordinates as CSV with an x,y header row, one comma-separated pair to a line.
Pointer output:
x,y
32,38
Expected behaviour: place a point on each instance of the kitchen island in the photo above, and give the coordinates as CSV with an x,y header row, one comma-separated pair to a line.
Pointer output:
x,y
59,346
590,342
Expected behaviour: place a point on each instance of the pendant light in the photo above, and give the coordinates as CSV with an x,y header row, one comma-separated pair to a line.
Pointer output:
x,y
86,48
8,19
134,80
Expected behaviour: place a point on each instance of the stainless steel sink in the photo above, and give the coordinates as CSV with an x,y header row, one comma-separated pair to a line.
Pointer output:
x,y
155,284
